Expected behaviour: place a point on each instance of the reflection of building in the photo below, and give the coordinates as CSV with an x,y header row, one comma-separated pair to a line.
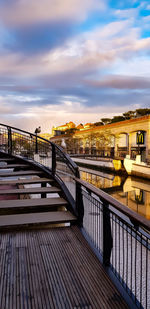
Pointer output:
x,y
117,139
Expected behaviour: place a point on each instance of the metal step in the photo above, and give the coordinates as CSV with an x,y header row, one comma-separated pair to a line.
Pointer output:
x,y
31,190
35,219
7,159
14,166
20,173
26,181
29,203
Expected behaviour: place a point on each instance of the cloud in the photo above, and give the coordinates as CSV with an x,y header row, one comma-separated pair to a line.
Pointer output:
x,y
122,82
29,12
127,13
52,70
4,107
48,115
34,26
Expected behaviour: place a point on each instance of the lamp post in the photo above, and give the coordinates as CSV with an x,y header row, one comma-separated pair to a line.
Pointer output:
x,y
139,132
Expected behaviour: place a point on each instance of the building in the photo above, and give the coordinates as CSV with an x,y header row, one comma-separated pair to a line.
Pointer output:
x,y
45,135
118,139
62,129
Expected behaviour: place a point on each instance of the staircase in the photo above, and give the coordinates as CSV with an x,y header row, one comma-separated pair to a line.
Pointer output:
x,y
30,197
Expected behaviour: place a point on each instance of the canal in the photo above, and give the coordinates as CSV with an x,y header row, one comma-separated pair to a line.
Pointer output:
x,y
131,191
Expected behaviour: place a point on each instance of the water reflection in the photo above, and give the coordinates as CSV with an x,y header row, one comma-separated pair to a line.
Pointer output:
x,y
132,192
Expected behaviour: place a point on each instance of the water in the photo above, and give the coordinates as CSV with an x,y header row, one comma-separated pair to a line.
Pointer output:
x,y
131,191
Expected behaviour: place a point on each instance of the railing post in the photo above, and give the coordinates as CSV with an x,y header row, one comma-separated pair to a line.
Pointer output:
x,y
9,141
36,144
107,236
53,159
79,204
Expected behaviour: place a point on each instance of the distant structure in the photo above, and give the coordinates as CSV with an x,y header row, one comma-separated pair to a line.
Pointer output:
x,y
45,135
63,128
70,127
127,137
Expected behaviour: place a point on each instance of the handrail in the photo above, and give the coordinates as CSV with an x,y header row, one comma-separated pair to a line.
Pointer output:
x,y
135,218
117,233
121,240
57,148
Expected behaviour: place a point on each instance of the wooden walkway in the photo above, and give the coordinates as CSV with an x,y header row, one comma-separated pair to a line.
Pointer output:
x,y
53,269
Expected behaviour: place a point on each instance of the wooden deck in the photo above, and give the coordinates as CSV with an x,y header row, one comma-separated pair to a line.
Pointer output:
x,y
53,269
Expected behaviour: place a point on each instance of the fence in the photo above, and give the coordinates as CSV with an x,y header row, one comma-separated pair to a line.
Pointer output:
x,y
122,240
120,237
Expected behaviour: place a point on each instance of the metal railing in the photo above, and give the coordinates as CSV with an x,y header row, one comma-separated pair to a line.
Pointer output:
x,y
120,237
31,146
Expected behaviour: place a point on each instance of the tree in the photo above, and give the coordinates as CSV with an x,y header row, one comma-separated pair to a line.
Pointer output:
x,y
142,112
99,140
129,115
106,120
70,131
117,119
104,139
99,123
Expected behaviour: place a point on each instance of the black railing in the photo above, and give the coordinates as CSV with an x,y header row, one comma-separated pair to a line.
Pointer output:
x,y
120,237
29,145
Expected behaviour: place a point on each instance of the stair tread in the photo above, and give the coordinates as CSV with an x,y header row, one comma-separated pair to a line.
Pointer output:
x,y
30,190
13,204
13,166
20,173
26,181
6,159
36,218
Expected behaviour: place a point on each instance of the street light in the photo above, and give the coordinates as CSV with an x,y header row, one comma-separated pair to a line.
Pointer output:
x,y
139,132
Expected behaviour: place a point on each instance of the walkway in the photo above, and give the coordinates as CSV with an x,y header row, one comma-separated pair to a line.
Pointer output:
x,y
53,269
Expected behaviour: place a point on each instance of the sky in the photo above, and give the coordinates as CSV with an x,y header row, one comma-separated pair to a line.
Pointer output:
x,y
72,60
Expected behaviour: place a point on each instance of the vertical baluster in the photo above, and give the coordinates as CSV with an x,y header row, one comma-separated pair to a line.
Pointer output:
x,y
36,144
146,277
53,159
141,262
107,236
79,204
9,141
135,263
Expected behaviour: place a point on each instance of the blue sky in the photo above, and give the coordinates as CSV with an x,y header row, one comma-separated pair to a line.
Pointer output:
x,y
63,60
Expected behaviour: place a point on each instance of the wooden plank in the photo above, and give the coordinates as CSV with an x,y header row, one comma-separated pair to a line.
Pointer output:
x,y
53,268
14,204
31,190
20,173
36,218
13,166
26,181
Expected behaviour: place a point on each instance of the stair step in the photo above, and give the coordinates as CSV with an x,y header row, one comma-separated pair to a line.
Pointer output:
x,y
7,159
20,173
14,166
28,203
20,220
26,181
31,190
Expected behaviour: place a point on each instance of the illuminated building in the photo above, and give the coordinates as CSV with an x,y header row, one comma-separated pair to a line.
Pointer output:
x,y
118,139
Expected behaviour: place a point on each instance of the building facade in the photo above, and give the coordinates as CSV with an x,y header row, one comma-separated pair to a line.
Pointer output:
x,y
118,139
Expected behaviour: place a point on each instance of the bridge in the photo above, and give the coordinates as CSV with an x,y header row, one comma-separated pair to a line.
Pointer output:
x,y
63,242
